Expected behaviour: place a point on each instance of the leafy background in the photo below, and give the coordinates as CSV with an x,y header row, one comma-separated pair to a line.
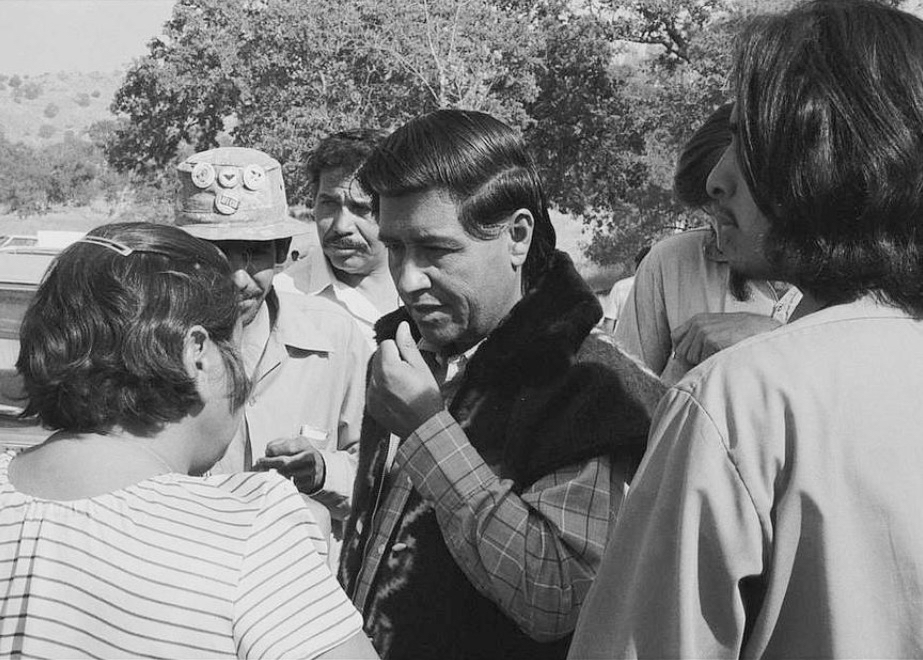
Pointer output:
x,y
605,93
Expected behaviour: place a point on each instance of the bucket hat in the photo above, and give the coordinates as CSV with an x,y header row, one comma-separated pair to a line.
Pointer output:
x,y
233,193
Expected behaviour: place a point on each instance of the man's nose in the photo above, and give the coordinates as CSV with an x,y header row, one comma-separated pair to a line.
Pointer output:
x,y
720,183
343,222
410,278
241,278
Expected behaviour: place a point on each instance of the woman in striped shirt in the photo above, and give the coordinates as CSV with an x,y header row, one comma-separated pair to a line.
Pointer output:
x,y
108,547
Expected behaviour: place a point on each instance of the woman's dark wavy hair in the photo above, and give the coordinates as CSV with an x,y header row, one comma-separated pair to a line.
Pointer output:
x,y
699,156
480,162
830,140
102,342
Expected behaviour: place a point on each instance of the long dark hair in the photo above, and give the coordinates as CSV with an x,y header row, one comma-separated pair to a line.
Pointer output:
x,y
830,140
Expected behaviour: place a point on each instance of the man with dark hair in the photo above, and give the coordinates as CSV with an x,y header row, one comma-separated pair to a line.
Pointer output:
x,y
305,355
352,269
696,294
501,428
777,511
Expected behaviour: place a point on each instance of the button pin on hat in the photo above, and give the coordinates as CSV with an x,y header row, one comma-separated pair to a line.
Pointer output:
x,y
237,194
254,177
226,204
228,177
203,175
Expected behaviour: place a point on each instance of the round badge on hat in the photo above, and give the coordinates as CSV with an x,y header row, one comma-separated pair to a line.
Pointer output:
x,y
228,177
254,177
226,204
203,175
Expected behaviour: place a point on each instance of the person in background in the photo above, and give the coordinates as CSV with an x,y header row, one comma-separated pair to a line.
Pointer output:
x,y
777,511
618,294
698,292
108,547
502,429
305,355
352,271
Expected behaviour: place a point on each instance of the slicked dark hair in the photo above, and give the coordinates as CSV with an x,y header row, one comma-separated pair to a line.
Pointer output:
x,y
830,140
344,150
102,342
480,162
699,157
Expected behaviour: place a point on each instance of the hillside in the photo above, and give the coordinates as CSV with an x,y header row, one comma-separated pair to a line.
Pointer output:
x,y
40,110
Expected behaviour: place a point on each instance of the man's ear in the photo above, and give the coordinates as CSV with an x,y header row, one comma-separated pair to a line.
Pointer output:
x,y
195,351
521,229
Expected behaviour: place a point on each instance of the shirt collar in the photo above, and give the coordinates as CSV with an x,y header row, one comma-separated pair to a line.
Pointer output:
x,y
350,297
296,327
453,365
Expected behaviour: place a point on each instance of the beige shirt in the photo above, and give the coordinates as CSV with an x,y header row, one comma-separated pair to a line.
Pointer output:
x,y
309,379
677,280
313,274
777,512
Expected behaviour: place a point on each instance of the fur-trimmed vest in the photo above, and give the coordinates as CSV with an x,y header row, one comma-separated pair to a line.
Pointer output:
x,y
540,393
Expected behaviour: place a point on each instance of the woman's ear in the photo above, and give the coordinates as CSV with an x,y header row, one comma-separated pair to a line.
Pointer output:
x,y
521,229
195,351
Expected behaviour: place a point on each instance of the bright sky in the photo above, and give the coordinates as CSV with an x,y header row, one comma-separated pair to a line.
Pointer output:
x,y
47,36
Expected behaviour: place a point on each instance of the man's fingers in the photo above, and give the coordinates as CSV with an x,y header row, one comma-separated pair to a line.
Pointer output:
x,y
686,347
408,347
388,354
287,446
278,463
289,464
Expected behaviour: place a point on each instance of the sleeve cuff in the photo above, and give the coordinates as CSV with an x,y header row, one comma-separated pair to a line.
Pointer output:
x,y
339,475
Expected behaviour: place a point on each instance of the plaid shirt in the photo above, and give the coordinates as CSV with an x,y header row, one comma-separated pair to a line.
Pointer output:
x,y
534,554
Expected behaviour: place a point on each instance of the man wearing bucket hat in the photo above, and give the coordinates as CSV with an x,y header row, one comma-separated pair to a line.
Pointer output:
x,y
305,355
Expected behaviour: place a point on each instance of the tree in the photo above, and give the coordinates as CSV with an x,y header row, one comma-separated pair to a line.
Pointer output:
x,y
51,110
23,179
605,91
279,74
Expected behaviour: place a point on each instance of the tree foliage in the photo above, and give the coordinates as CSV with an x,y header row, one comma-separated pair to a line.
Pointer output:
x,y
604,91
277,75
72,172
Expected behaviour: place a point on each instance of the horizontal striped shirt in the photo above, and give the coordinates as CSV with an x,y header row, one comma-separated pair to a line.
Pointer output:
x,y
171,567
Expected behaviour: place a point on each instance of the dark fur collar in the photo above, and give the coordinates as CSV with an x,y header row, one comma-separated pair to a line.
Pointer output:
x,y
539,338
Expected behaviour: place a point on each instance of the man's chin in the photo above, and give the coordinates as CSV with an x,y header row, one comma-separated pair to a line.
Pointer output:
x,y
437,335
248,309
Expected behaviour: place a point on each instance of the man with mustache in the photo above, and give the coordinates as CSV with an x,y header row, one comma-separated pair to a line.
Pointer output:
x,y
305,355
699,292
777,510
353,269
502,429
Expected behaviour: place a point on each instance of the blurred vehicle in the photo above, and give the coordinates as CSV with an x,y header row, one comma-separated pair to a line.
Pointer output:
x,y
23,262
